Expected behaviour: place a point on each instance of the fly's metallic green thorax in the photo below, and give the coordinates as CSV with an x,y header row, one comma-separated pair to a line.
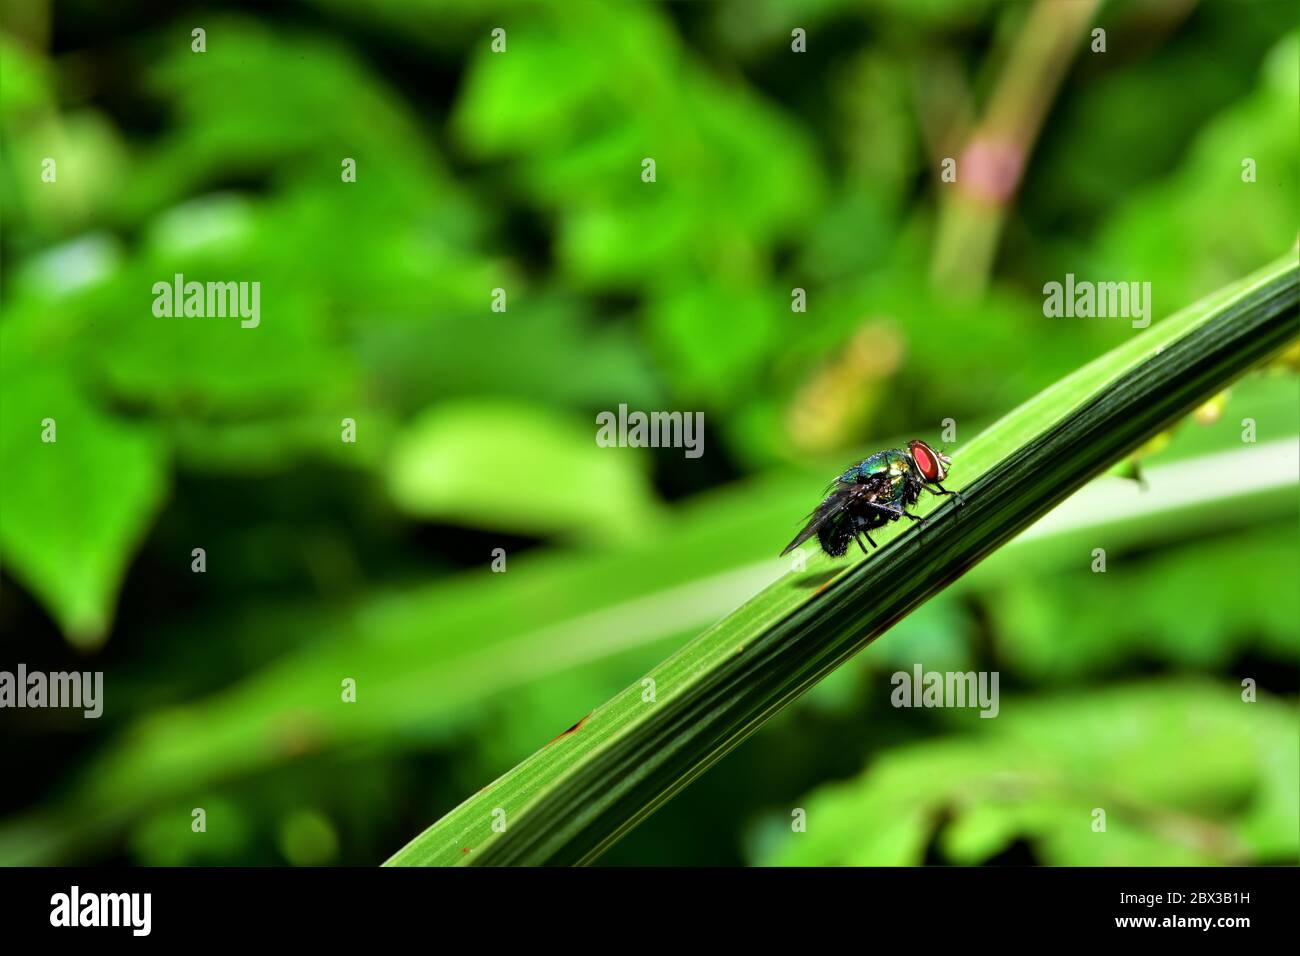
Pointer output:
x,y
890,470
877,490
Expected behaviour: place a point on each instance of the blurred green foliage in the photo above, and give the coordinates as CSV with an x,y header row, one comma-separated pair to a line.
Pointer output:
x,y
521,171
1063,772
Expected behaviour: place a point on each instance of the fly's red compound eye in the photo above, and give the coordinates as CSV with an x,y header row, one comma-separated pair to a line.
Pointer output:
x,y
926,462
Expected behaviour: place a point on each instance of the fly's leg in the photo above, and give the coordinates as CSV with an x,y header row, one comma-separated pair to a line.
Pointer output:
x,y
920,528
861,530
944,491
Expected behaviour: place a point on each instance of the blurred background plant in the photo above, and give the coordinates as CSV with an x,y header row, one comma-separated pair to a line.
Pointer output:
x,y
521,170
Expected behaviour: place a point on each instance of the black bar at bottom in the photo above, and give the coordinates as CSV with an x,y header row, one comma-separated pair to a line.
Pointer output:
x,y
369,905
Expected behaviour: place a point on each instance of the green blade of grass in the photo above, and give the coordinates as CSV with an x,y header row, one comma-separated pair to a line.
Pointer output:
x,y
581,792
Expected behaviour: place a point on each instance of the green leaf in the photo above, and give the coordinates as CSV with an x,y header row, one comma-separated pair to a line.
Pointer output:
x,y
74,508
510,466
578,794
